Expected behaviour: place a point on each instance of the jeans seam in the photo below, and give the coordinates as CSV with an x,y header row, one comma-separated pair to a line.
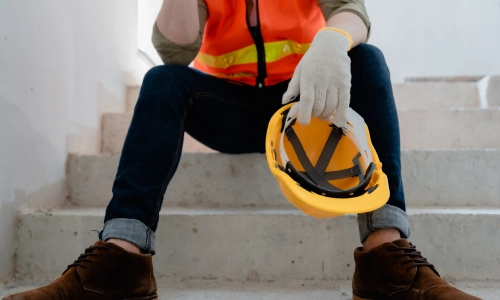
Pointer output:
x,y
148,233
191,100
165,182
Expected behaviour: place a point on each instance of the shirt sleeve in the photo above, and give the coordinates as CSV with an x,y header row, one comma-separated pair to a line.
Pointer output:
x,y
357,7
176,54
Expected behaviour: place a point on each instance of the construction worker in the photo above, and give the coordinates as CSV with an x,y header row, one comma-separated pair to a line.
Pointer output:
x,y
251,57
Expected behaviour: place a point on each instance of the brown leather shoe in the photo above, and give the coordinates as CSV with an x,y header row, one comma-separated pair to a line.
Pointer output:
x,y
397,271
104,271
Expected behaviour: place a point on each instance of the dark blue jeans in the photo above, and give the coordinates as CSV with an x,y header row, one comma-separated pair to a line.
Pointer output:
x,y
233,118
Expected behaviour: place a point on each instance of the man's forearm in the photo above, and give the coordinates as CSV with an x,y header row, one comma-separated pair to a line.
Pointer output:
x,y
178,21
352,24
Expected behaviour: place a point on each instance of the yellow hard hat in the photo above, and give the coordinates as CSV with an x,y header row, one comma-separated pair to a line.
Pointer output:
x,y
323,170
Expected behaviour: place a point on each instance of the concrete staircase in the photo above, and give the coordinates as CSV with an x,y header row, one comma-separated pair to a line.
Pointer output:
x,y
226,232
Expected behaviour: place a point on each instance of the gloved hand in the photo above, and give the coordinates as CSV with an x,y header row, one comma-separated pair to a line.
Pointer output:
x,y
323,78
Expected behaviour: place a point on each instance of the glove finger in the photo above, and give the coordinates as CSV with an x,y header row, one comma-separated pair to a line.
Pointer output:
x,y
330,104
340,119
293,87
306,105
318,102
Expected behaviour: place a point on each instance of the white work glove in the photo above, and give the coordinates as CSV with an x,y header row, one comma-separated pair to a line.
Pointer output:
x,y
323,79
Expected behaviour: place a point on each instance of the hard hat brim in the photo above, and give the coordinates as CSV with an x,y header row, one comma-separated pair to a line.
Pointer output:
x,y
317,205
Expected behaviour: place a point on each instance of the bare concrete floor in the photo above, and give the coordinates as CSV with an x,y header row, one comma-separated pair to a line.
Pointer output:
x,y
336,290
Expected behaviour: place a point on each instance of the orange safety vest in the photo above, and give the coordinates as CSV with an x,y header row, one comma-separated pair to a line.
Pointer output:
x,y
262,55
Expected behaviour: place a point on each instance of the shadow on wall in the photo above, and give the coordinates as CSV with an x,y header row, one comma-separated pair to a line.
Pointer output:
x,y
8,225
32,174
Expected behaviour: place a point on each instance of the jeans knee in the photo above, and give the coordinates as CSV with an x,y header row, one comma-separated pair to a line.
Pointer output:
x,y
368,66
161,81
164,73
367,51
368,58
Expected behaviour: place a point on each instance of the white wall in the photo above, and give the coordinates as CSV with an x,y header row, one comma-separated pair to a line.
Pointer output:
x,y
418,38
61,64
148,10
437,38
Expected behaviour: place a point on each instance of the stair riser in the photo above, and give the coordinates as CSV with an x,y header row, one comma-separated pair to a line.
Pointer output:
x,y
420,129
493,91
263,247
431,178
407,95
421,93
131,96
436,95
443,128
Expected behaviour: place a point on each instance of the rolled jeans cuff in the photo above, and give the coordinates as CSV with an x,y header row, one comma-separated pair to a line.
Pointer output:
x,y
132,231
388,216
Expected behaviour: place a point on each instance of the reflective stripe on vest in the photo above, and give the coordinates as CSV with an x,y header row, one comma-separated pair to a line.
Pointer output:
x,y
274,52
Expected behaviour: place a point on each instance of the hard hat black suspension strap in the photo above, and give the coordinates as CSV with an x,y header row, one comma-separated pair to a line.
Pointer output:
x,y
318,173
311,171
327,153
341,174
315,178
357,163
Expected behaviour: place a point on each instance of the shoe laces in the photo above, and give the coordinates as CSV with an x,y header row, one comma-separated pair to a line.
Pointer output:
x,y
413,256
84,257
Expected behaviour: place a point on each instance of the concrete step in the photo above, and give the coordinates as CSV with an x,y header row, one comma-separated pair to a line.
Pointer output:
x,y
311,290
487,87
115,127
420,129
416,93
438,94
131,96
449,128
262,245
430,177
493,91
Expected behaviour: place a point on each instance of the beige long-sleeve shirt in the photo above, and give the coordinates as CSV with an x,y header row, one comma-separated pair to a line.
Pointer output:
x,y
172,53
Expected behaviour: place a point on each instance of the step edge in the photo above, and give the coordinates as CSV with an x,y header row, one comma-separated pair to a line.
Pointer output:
x,y
412,211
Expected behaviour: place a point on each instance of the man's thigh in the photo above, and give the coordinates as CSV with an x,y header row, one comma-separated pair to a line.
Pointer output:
x,y
233,118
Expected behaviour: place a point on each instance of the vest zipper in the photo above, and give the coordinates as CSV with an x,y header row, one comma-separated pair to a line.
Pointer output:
x,y
259,44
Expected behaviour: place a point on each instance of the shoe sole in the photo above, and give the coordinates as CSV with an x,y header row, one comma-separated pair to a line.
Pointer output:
x,y
150,297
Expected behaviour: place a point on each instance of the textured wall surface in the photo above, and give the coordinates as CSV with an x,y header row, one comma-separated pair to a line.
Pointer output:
x,y
437,38
61,64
